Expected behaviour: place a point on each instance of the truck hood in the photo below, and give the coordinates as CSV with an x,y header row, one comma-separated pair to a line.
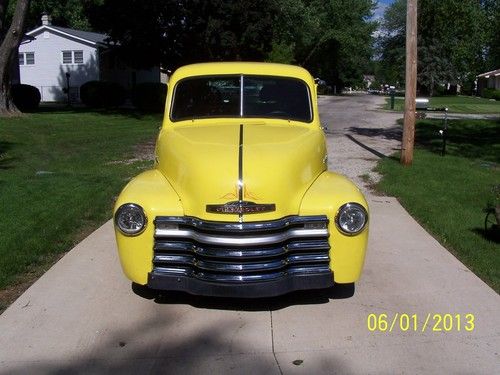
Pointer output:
x,y
263,163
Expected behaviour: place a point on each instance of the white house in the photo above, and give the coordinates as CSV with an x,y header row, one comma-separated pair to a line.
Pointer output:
x,y
488,80
50,57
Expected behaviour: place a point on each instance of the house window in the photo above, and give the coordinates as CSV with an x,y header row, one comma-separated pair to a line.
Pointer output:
x,y
72,57
67,57
78,57
26,58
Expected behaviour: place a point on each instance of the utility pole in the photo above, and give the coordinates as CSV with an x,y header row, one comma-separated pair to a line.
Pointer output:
x,y
411,83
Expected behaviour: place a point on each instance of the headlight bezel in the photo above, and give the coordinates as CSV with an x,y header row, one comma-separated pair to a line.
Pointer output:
x,y
120,211
347,206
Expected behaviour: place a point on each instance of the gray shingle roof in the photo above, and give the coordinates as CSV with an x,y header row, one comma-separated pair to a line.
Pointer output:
x,y
87,35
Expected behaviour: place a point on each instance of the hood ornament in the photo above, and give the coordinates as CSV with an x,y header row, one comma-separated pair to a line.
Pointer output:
x,y
240,208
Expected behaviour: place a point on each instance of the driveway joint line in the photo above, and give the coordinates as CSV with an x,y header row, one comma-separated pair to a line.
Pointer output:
x,y
272,344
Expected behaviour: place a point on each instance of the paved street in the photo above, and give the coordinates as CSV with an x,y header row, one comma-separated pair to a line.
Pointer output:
x,y
83,317
359,134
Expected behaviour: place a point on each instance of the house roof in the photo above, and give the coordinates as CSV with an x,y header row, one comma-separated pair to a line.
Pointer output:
x,y
85,36
494,73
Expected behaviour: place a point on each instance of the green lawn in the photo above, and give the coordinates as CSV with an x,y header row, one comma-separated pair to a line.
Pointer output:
x,y
455,104
59,176
447,195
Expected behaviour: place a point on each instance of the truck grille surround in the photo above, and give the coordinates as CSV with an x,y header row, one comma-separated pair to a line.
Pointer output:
x,y
237,253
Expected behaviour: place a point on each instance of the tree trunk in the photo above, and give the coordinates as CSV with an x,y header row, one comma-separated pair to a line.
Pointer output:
x,y
8,47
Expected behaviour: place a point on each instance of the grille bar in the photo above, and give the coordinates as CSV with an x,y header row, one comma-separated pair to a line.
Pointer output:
x,y
219,226
216,239
238,267
238,253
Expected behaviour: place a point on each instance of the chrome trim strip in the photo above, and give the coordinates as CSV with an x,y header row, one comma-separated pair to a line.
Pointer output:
x,y
216,239
241,95
174,259
241,267
247,253
240,163
308,245
207,265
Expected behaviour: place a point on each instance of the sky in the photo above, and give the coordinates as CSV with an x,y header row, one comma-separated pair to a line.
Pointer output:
x,y
382,4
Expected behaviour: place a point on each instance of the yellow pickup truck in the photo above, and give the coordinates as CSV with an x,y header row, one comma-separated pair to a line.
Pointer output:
x,y
240,202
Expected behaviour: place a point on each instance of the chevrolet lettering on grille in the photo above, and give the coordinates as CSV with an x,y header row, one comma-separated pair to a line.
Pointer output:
x,y
239,208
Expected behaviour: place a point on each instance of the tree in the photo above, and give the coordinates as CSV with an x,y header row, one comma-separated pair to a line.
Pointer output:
x,y
10,38
492,11
452,40
331,38
391,44
176,33
65,13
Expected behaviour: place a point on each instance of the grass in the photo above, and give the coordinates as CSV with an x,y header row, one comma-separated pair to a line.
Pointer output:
x,y
455,104
448,195
59,175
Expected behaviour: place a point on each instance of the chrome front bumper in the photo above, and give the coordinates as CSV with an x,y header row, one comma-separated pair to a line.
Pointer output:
x,y
253,259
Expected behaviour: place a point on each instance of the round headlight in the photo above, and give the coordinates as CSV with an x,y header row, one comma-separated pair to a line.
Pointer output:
x,y
351,218
130,219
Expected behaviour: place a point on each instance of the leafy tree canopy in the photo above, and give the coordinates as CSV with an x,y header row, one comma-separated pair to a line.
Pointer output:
x,y
456,41
331,38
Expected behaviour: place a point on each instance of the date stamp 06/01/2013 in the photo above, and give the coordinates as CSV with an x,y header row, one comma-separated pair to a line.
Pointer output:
x,y
404,322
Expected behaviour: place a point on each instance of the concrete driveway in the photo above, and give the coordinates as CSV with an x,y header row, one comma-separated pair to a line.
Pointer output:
x,y
82,316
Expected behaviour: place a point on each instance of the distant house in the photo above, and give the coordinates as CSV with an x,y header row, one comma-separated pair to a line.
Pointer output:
x,y
368,80
488,80
51,57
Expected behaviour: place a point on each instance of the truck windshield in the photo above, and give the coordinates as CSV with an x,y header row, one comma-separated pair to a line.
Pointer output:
x,y
241,96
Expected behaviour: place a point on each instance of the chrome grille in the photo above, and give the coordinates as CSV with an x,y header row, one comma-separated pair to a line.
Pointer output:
x,y
241,252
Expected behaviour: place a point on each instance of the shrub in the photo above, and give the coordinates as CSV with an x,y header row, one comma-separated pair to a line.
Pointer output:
x,y
149,96
491,94
102,94
25,97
